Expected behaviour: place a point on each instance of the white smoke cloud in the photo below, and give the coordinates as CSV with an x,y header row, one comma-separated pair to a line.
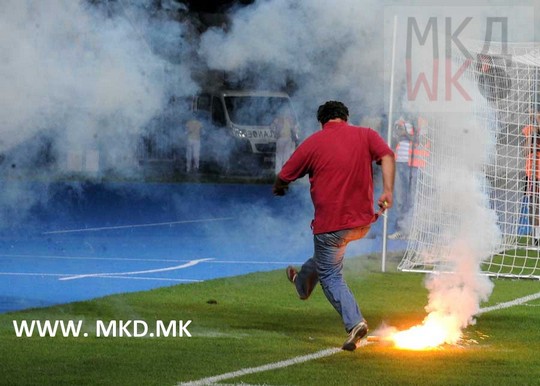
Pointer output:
x,y
472,234
330,50
97,73
453,201
81,80
455,226
91,78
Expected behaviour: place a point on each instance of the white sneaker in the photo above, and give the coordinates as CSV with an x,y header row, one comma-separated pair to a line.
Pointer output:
x,y
397,236
355,335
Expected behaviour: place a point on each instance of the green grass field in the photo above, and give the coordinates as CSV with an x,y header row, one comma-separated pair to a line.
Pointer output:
x,y
254,320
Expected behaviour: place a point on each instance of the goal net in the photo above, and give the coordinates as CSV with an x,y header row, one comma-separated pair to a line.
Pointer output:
x,y
477,176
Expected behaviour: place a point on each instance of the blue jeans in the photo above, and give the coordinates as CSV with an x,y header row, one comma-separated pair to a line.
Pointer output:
x,y
326,267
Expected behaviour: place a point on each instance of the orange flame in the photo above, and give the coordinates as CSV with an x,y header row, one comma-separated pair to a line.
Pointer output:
x,y
434,331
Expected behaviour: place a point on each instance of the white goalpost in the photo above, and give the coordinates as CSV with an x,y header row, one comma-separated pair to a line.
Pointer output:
x,y
506,100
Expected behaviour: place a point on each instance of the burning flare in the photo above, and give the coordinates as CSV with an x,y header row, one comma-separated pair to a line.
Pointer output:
x,y
435,330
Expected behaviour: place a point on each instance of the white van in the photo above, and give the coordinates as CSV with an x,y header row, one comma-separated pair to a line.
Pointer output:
x,y
242,125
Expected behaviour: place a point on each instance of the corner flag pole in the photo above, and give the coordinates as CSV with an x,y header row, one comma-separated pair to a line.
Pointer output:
x,y
389,136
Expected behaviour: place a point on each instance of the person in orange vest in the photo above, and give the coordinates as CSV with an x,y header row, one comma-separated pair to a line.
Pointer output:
x,y
410,156
532,169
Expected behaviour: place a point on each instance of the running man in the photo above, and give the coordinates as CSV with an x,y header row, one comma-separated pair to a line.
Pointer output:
x,y
338,160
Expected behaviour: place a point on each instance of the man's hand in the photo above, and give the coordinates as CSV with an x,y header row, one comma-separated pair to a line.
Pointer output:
x,y
385,201
279,191
280,187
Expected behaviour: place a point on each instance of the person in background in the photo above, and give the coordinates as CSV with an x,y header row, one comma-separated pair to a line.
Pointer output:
x,y
283,126
193,150
338,160
405,173
410,157
532,170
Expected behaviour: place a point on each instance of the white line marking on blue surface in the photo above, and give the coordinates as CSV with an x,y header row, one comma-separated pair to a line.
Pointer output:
x,y
213,260
258,262
102,277
30,274
151,278
173,268
88,258
157,224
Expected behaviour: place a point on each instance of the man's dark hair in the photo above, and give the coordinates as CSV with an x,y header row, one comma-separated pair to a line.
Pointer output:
x,y
332,110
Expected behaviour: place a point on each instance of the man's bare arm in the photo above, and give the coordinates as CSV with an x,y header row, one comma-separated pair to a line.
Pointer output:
x,y
388,165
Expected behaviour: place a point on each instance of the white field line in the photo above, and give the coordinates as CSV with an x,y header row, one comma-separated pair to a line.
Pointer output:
x,y
17,256
103,277
157,224
325,353
151,278
214,261
270,366
242,384
30,274
176,267
509,304
120,275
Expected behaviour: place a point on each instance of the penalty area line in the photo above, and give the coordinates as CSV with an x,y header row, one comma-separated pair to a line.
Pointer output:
x,y
328,352
270,366
511,303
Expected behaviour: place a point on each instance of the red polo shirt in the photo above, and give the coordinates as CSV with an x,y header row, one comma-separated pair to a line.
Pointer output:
x,y
338,160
